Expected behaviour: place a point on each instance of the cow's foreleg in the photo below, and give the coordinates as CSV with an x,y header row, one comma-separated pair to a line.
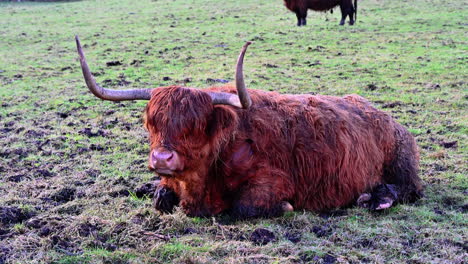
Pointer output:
x,y
343,15
165,199
263,196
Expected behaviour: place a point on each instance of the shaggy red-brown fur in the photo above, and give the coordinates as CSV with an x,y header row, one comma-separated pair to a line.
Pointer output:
x,y
300,7
316,152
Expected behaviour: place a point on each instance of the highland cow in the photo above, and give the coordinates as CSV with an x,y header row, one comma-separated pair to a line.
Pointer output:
x,y
253,153
300,7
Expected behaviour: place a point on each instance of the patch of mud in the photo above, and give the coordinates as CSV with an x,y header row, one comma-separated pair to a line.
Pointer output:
x,y
89,229
392,104
12,215
71,209
328,259
45,173
20,153
464,208
65,245
371,87
223,232
46,225
294,237
261,236
449,144
189,231
146,189
119,193
63,195
3,233
89,133
113,63
4,252
16,178
138,219
34,134
364,243
322,231
452,201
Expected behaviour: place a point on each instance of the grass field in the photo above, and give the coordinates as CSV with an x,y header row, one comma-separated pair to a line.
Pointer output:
x,y
73,168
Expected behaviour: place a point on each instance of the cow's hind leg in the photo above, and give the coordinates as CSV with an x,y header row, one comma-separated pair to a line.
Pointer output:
x,y
301,15
346,10
403,169
400,176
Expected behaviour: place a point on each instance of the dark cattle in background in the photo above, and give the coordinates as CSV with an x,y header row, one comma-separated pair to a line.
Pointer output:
x,y
300,7
255,153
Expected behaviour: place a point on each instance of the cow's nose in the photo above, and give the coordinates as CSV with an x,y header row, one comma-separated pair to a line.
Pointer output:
x,y
165,161
162,159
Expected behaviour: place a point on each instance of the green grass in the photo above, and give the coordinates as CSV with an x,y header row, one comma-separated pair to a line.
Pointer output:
x,y
408,57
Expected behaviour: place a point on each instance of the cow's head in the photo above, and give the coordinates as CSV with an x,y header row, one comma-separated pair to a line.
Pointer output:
x,y
182,124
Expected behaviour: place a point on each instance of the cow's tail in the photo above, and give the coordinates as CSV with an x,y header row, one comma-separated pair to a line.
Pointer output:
x,y
355,10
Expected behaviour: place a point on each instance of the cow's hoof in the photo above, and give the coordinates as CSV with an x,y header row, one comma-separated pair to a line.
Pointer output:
x,y
165,200
286,207
363,200
382,197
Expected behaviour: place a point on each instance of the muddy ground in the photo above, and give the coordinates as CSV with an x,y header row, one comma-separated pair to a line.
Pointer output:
x,y
74,182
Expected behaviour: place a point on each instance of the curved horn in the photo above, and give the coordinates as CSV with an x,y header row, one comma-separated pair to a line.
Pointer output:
x,y
242,99
108,94
240,85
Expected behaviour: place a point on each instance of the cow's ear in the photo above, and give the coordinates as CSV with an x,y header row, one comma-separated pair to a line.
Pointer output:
x,y
223,120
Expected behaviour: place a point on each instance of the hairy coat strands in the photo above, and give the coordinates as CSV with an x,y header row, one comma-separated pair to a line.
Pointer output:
x,y
316,152
256,153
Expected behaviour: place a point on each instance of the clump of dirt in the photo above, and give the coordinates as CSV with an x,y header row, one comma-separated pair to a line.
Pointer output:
x,y
89,133
392,104
44,173
322,231
4,252
119,193
449,144
294,237
364,243
189,231
371,87
146,189
65,244
113,63
16,178
13,214
328,259
63,195
261,236
46,225
464,208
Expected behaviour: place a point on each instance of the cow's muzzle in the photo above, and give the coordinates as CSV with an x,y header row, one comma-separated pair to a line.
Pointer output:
x,y
165,162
